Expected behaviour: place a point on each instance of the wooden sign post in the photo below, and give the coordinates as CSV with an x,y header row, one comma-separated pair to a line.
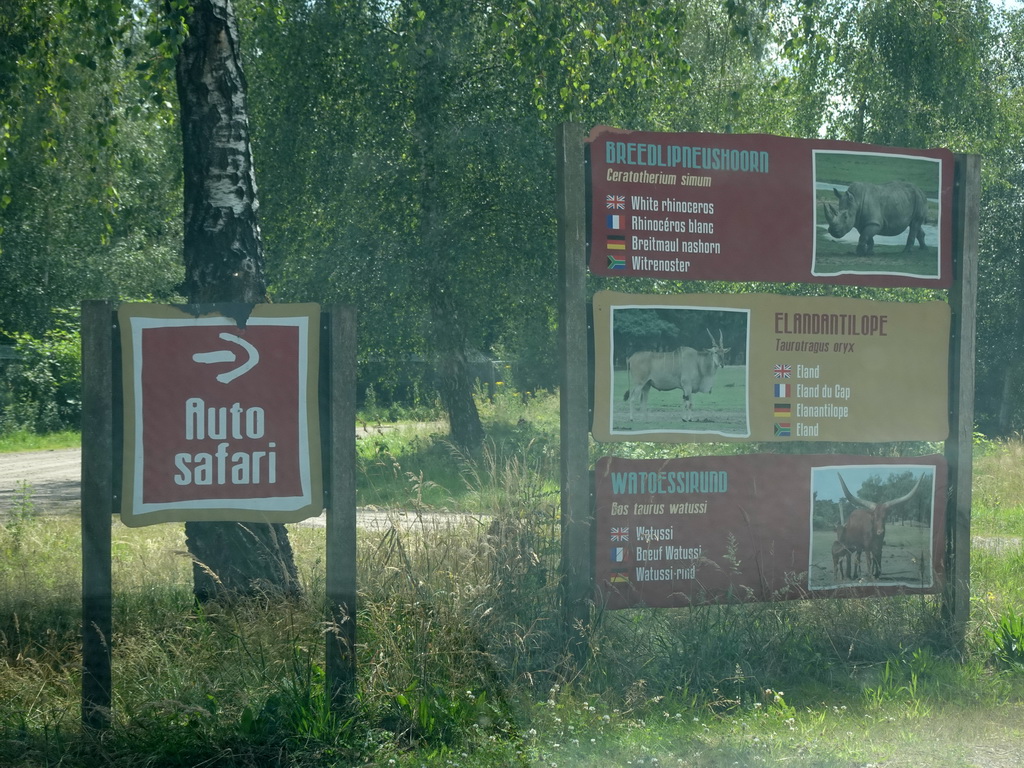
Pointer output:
x,y
334,397
960,443
340,460
576,504
761,208
97,509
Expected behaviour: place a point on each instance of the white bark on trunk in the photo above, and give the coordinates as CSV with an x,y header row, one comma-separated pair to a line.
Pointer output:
x,y
224,263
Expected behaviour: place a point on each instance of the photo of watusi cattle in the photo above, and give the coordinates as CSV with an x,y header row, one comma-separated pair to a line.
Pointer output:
x,y
871,525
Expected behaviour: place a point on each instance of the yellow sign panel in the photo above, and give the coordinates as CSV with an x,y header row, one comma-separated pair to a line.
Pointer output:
x,y
753,367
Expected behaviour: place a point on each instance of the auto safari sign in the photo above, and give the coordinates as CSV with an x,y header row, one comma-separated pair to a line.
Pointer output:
x,y
221,417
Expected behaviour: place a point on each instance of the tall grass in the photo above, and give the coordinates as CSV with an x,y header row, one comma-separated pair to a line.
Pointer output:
x,y
460,647
998,499
24,440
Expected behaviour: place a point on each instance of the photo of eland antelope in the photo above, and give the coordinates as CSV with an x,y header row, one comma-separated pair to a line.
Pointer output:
x,y
679,369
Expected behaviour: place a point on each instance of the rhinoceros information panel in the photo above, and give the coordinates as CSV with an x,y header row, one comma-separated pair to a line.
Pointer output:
x,y
761,527
759,367
696,206
221,414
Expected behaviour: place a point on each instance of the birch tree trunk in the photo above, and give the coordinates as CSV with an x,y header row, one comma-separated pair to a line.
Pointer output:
x,y
223,255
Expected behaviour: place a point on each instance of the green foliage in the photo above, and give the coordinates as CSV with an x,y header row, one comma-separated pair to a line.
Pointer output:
x,y
89,165
414,402
1007,638
419,185
420,176
922,74
393,459
44,383
998,489
902,75
25,440
23,511
582,59
528,352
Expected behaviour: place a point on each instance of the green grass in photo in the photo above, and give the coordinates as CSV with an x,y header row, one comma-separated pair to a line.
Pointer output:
x,y
723,410
845,168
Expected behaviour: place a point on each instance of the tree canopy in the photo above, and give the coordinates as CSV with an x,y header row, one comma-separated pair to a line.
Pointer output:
x,y
405,150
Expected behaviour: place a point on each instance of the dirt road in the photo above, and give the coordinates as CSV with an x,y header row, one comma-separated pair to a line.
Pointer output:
x,y
51,482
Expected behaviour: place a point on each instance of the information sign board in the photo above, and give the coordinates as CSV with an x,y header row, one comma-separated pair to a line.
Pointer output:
x,y
221,416
743,367
759,527
749,207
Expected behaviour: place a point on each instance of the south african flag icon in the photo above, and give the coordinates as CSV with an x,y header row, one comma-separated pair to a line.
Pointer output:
x,y
614,262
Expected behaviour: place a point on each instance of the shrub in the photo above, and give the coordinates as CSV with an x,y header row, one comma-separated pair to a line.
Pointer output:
x,y
1008,640
44,385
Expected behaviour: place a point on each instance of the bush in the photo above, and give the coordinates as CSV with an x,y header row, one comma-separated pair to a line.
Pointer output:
x,y
1007,639
43,387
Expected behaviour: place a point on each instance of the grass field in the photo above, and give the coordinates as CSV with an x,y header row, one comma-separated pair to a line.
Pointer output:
x,y
906,558
723,411
835,256
847,167
26,441
463,660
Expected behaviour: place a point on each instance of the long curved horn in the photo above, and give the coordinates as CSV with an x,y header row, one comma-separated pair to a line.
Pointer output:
x,y
853,499
830,212
721,341
907,496
713,342
874,505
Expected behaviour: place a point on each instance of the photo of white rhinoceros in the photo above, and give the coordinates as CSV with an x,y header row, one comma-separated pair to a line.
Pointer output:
x,y
870,208
878,209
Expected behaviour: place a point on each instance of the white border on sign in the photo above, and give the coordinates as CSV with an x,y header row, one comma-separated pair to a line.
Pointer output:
x,y
610,405
853,233
273,504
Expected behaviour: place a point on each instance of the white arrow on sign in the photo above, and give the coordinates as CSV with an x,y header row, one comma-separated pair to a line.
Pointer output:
x,y
227,356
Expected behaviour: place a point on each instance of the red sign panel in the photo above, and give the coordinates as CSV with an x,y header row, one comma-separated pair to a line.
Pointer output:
x,y
221,417
679,532
694,206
